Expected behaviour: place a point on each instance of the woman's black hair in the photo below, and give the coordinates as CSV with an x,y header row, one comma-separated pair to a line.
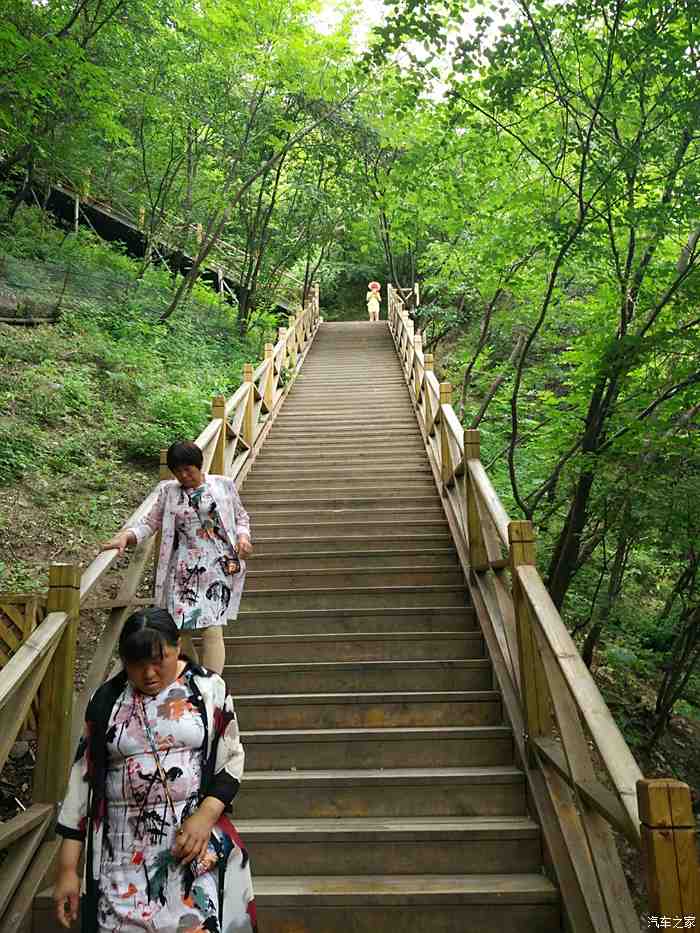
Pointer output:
x,y
145,633
184,453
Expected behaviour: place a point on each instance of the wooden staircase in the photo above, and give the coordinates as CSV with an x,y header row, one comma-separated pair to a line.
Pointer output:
x,y
380,790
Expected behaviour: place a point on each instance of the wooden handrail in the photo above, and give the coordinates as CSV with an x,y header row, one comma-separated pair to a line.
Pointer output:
x,y
540,671
618,760
42,641
44,662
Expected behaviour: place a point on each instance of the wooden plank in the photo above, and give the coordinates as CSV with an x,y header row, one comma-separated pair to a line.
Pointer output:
x,y
504,599
33,880
22,701
16,865
24,823
14,614
237,399
209,434
595,794
585,910
41,642
489,497
617,758
611,882
10,638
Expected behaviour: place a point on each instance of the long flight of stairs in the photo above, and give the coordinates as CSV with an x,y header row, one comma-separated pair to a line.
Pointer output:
x,y
380,791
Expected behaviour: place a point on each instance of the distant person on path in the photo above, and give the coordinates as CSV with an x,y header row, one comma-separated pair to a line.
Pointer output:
x,y
373,298
159,763
205,536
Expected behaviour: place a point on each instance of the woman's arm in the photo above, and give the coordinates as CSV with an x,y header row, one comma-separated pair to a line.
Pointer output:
x,y
72,821
192,842
66,889
151,522
242,519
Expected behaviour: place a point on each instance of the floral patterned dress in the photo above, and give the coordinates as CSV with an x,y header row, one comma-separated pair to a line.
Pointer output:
x,y
143,887
200,590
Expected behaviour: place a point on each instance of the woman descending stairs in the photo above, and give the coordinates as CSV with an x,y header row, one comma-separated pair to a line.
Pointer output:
x,y
380,789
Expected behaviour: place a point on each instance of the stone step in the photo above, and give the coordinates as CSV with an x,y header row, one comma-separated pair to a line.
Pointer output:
x,y
342,529
402,512
354,560
409,792
353,620
449,845
358,677
524,903
398,541
408,747
366,710
276,579
359,646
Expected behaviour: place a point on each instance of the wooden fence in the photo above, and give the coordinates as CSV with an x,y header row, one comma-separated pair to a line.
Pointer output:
x,y
41,663
558,714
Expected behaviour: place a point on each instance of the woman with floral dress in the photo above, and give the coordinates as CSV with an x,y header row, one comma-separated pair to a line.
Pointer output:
x,y
205,536
158,765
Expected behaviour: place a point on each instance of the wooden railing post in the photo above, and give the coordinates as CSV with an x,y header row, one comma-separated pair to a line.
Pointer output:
x,y
446,466
218,461
54,752
269,390
535,693
248,426
478,556
669,853
417,348
163,469
292,341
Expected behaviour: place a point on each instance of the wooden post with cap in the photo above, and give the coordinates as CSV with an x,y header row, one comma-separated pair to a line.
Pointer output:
x,y
248,426
54,751
218,461
669,851
269,390
478,556
535,692
417,348
446,465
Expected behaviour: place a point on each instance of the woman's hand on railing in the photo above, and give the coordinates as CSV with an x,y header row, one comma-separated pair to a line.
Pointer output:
x,y
119,542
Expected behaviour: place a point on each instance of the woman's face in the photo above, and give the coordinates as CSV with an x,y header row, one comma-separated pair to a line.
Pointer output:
x,y
190,477
152,675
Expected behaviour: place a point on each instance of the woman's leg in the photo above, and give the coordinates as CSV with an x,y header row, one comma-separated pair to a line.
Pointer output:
x,y
188,647
213,648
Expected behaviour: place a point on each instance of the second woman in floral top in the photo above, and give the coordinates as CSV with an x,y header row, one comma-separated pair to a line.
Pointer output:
x,y
205,538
